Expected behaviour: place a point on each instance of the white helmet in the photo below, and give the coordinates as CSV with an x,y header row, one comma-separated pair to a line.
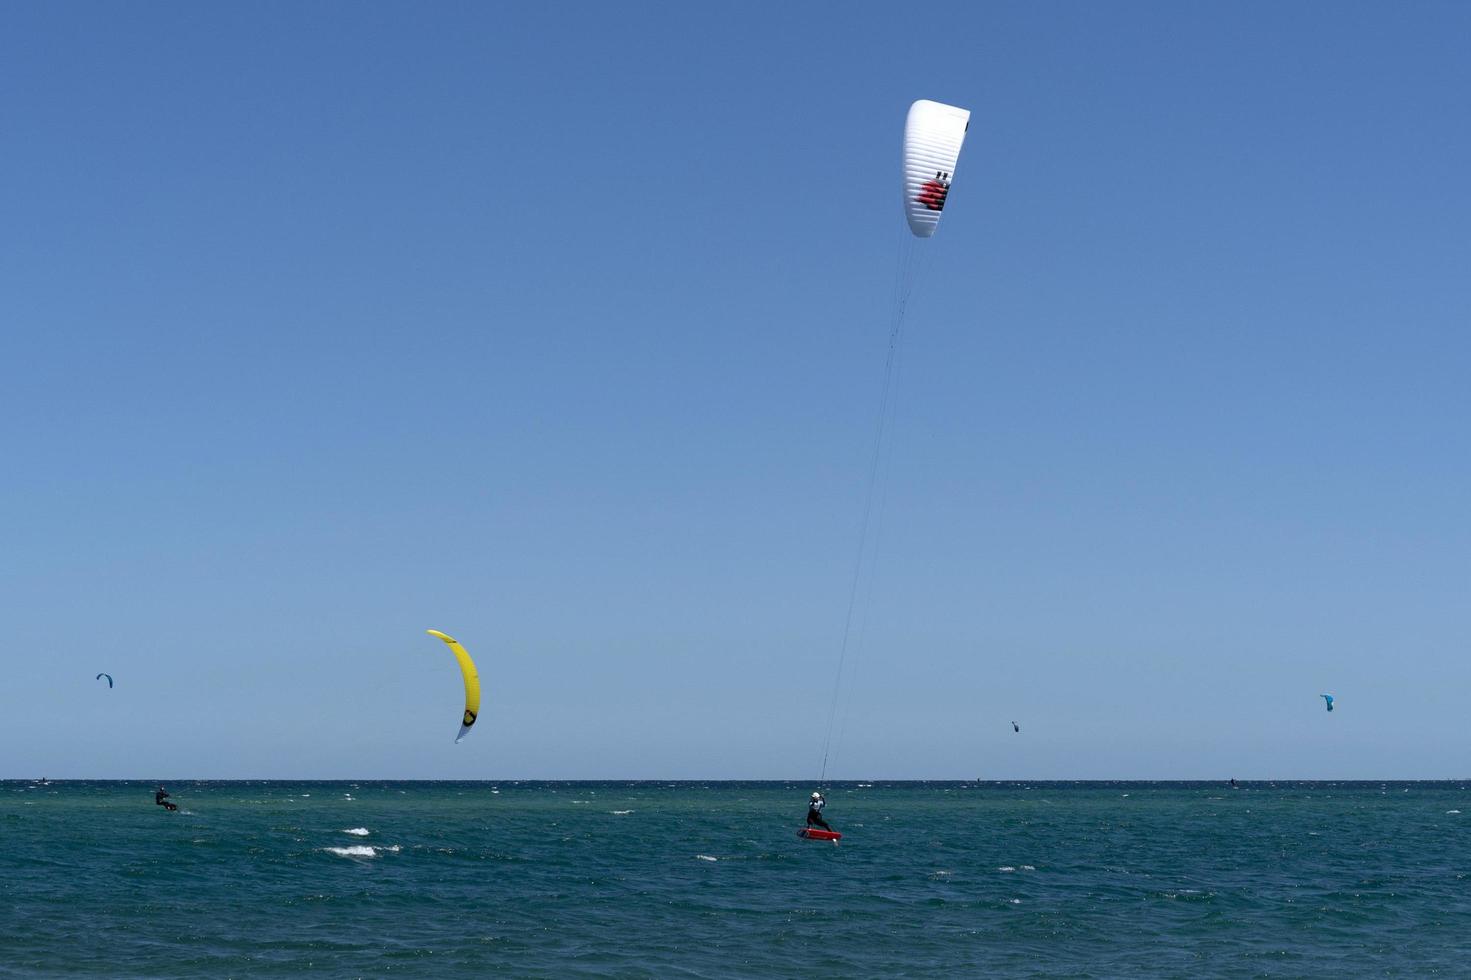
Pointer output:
x,y
817,796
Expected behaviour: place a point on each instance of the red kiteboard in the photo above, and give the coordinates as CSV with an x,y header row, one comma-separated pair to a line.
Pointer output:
x,y
812,833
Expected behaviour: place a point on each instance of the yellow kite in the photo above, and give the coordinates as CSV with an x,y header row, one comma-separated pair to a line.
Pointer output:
x,y
472,682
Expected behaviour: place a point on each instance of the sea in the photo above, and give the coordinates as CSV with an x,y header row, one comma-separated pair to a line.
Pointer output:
x,y
710,879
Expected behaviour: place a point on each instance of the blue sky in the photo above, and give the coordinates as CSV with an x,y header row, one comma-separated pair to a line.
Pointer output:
x,y
561,329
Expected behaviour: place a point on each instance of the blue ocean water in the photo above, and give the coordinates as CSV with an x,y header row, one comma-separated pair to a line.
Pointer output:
x,y
710,880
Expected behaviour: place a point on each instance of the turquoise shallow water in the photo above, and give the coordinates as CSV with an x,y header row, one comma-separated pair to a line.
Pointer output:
x,y
709,879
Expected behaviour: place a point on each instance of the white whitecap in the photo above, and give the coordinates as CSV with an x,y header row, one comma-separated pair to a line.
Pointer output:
x,y
1453,811
620,813
357,831
1029,867
1006,868
706,857
355,851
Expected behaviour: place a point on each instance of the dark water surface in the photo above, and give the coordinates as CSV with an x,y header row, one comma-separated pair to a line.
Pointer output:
x,y
709,879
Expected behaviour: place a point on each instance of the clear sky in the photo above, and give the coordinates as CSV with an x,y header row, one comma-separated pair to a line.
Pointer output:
x,y
561,328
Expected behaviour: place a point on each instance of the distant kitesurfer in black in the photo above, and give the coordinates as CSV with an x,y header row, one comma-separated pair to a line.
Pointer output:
x,y
1233,783
161,797
814,812
1015,727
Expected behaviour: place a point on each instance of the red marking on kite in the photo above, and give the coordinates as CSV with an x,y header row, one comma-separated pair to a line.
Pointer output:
x,y
932,194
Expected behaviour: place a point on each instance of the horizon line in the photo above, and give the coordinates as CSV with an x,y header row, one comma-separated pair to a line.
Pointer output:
x,y
773,780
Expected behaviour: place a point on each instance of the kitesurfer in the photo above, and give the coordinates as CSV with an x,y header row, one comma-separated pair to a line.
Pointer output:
x,y
161,796
814,811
